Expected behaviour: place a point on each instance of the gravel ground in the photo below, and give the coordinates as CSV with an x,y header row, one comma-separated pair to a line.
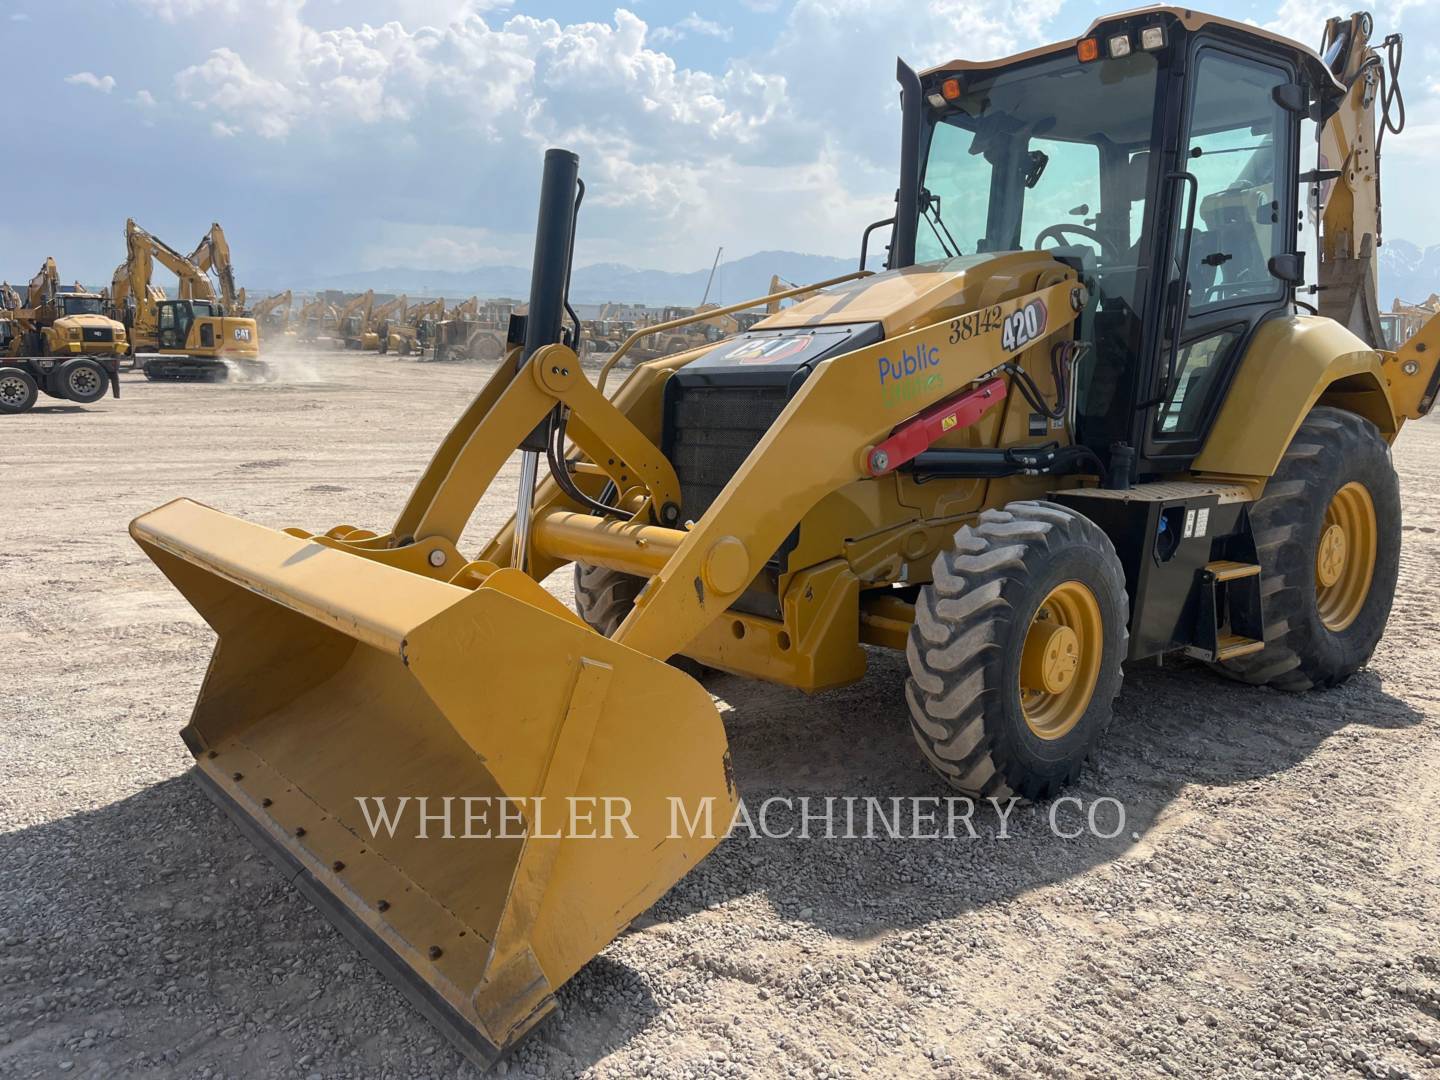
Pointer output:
x,y
1269,907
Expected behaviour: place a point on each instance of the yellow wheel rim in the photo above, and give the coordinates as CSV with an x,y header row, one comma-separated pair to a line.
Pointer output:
x,y
1345,556
1060,662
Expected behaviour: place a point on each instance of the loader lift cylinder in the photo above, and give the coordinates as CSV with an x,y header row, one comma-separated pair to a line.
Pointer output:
x,y
549,283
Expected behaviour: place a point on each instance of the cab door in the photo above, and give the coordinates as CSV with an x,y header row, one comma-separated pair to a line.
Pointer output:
x,y
175,318
1236,186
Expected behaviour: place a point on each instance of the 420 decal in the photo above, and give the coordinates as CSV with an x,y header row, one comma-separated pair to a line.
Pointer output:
x,y
1017,329
1023,326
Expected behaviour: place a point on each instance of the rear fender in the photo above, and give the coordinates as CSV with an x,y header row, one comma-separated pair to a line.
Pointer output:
x,y
1291,365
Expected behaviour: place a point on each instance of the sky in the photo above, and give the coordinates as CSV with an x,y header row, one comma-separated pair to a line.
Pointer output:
x,y
330,136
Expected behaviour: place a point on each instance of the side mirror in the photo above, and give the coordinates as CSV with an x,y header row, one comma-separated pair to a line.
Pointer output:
x,y
1289,268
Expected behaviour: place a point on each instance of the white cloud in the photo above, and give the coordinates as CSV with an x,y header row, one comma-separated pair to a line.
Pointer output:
x,y
144,99
174,10
796,141
103,83
693,24
225,84
434,246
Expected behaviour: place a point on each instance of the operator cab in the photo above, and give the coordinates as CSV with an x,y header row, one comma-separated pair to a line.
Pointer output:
x,y
1103,150
70,304
176,317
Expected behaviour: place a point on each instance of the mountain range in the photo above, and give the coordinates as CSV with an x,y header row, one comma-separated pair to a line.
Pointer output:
x,y
601,283
1406,270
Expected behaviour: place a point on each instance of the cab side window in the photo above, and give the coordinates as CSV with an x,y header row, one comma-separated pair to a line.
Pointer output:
x,y
1234,127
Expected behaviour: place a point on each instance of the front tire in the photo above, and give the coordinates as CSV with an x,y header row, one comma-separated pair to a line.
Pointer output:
x,y
1327,533
1016,650
603,597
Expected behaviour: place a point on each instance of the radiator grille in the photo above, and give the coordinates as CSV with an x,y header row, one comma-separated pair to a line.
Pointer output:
x,y
98,333
713,430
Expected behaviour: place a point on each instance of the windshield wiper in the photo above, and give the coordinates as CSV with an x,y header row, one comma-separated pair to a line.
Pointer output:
x,y
930,211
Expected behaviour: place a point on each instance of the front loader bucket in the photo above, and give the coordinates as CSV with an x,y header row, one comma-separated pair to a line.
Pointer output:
x,y
339,680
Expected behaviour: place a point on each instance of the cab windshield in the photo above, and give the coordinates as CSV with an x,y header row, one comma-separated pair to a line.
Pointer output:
x,y
1049,155
82,305
1055,155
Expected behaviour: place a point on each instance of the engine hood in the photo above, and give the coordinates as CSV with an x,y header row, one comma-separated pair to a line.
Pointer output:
x,y
902,300
66,322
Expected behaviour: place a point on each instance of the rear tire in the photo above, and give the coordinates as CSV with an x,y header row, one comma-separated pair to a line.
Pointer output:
x,y
1322,618
82,381
18,390
1016,650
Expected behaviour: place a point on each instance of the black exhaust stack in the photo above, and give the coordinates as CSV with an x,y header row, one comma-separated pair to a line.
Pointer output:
x,y
907,197
554,244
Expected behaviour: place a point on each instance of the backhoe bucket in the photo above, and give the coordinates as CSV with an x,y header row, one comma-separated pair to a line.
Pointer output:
x,y
341,685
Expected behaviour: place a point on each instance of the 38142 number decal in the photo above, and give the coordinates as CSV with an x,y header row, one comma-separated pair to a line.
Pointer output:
x,y
1023,326
974,324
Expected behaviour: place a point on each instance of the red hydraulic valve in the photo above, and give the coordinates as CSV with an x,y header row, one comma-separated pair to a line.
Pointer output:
x,y
932,425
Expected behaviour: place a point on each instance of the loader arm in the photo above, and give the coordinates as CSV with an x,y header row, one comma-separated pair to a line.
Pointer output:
x,y
821,441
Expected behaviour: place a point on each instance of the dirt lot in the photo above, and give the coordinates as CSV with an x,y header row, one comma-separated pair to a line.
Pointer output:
x,y
1270,907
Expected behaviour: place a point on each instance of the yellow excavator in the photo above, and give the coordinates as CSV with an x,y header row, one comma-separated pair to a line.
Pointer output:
x,y
1089,417
377,327
352,320
314,319
212,258
272,315
415,333
192,338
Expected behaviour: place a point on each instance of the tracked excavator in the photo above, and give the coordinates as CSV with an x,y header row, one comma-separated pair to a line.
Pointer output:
x,y
191,338
272,315
376,335
352,320
314,319
1085,414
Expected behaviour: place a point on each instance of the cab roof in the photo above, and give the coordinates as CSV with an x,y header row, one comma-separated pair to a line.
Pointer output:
x,y
1188,18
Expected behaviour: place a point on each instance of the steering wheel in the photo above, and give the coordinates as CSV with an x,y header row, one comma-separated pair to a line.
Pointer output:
x,y
1060,228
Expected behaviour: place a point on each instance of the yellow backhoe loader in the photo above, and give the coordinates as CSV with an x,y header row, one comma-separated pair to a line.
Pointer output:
x,y
376,334
1083,416
416,331
193,338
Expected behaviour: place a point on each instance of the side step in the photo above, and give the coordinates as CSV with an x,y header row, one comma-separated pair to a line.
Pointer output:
x,y
1229,622
1225,570
1233,645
